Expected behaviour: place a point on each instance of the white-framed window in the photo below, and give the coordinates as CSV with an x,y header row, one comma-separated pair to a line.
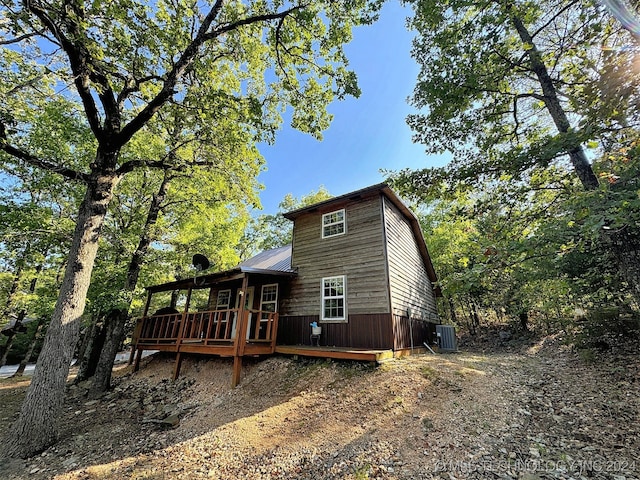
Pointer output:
x,y
269,298
334,223
224,300
334,294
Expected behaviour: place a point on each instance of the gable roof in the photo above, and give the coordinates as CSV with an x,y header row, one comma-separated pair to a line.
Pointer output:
x,y
368,192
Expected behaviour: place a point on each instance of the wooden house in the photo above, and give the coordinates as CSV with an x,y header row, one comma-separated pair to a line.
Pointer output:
x,y
356,283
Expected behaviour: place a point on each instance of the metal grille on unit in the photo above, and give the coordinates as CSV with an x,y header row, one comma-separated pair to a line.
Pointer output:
x,y
447,338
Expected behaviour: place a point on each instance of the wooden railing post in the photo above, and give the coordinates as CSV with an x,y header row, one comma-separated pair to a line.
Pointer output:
x,y
183,324
241,331
274,331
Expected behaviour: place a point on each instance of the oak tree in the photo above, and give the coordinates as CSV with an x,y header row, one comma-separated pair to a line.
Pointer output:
x,y
121,63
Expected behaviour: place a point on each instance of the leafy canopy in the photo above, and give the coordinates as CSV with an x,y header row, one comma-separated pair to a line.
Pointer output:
x,y
480,96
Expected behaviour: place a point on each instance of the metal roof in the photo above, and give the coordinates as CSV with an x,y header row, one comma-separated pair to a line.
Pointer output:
x,y
276,259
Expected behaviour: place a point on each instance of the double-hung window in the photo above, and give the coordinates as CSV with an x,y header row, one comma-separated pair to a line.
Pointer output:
x,y
224,299
269,298
222,303
333,223
334,298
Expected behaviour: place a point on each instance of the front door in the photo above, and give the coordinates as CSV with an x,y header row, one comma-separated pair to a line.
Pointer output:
x,y
248,303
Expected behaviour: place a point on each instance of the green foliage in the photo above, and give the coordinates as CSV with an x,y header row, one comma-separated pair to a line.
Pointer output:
x,y
217,81
539,247
511,231
479,96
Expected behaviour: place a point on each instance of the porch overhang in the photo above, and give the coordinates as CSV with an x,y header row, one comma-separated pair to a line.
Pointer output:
x,y
207,281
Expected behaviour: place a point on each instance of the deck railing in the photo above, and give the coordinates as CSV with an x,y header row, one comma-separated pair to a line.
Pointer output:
x,y
216,327
213,332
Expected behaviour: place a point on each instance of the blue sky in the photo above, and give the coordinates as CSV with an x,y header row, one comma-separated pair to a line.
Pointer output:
x,y
367,134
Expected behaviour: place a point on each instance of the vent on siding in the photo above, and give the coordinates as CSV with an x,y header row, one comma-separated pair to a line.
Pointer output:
x,y
447,338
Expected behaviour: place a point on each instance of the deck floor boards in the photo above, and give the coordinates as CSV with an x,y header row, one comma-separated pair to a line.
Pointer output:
x,y
340,353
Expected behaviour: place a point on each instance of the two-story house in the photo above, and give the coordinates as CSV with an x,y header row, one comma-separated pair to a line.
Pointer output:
x,y
358,268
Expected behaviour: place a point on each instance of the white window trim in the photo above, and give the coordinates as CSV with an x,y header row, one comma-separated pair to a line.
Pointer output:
x,y
344,222
342,319
270,301
218,305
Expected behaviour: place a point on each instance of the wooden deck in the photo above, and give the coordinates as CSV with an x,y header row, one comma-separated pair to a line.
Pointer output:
x,y
339,353
226,333
234,333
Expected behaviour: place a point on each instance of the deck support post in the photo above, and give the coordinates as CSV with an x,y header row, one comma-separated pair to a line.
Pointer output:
x,y
134,339
183,326
237,370
136,365
138,328
178,364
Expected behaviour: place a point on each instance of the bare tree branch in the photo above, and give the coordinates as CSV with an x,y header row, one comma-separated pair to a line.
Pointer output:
x,y
38,162
186,60
20,38
79,60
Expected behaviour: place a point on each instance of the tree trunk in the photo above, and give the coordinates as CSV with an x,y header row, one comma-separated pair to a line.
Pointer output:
x,y
83,347
114,330
476,315
32,288
32,346
524,320
471,325
4,349
116,321
89,360
37,425
452,310
577,156
20,262
11,337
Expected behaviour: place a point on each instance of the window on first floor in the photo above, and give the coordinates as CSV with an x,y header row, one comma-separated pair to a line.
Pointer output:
x,y
224,300
333,223
269,298
334,298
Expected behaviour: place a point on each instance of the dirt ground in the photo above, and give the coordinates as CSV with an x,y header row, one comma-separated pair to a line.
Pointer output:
x,y
530,410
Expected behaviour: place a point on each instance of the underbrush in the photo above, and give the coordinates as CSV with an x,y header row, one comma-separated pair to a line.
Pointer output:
x,y
589,333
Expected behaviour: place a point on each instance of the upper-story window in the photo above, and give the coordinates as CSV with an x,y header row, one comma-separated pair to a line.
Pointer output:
x,y
333,223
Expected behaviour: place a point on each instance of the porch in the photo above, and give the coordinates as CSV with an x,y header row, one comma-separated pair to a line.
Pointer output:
x,y
227,333
229,314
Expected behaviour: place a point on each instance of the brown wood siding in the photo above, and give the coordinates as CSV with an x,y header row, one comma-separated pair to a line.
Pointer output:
x,y
361,331
420,330
408,279
358,254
